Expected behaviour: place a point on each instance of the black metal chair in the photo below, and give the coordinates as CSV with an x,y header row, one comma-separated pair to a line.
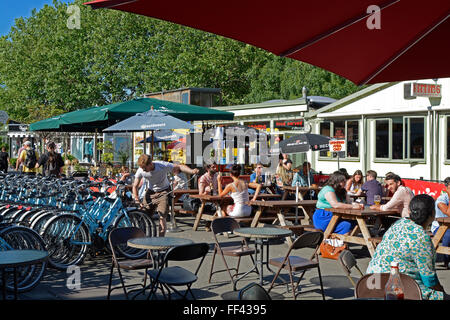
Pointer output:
x,y
294,264
348,262
120,236
174,276
253,291
222,225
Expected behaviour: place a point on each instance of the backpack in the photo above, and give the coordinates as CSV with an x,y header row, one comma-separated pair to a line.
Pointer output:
x,y
30,159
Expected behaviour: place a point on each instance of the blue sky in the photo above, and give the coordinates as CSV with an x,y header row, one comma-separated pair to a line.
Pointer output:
x,y
10,10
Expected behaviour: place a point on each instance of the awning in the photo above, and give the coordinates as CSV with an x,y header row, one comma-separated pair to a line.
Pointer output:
x,y
99,118
365,41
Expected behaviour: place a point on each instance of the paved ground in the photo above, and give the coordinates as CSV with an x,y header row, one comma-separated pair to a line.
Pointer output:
x,y
94,273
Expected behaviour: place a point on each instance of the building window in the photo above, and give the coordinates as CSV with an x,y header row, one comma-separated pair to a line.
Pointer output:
x,y
343,130
325,130
400,138
382,139
352,139
416,137
448,140
397,138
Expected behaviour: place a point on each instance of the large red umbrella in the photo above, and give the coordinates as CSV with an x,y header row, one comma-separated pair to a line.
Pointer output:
x,y
341,36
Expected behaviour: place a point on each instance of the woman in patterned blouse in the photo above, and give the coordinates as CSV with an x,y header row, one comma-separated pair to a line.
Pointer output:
x,y
407,242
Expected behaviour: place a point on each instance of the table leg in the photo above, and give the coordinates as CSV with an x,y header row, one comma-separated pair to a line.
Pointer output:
x,y
330,227
366,234
15,283
199,215
283,223
4,283
261,260
256,217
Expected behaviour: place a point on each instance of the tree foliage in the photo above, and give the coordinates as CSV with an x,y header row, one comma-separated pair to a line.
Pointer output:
x,y
47,68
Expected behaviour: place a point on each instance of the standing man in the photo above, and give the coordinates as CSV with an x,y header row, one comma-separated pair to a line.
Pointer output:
x,y
371,187
4,160
443,211
401,196
51,161
19,152
155,174
28,158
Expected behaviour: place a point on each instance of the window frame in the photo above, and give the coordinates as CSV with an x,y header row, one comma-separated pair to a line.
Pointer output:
x,y
346,158
406,148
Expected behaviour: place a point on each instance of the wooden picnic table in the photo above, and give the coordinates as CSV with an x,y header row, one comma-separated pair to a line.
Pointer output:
x,y
179,192
220,202
444,224
361,216
280,207
301,191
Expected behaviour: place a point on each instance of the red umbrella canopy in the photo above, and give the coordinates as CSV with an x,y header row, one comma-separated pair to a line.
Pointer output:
x,y
403,40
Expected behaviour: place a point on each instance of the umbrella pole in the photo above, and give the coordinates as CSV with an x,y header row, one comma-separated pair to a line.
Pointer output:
x,y
151,146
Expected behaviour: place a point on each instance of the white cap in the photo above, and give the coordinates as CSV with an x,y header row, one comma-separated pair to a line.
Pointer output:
x,y
394,264
27,143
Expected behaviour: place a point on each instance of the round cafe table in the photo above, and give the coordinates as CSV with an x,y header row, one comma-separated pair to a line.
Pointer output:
x,y
260,234
18,258
159,244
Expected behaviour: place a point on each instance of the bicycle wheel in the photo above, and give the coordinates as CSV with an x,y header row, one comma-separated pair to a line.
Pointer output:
x,y
38,223
67,239
135,219
22,238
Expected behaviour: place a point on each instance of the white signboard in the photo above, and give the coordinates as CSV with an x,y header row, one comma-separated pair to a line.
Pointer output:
x,y
337,145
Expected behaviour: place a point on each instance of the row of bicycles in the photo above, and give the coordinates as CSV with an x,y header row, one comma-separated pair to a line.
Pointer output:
x,y
69,217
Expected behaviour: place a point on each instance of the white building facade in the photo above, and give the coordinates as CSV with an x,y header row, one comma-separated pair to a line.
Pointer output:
x,y
388,130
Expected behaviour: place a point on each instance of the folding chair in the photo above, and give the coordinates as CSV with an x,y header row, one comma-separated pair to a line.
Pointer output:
x,y
120,236
228,224
253,291
294,264
347,262
170,277
372,286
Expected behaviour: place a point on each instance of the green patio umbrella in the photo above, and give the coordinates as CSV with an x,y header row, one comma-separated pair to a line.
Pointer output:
x,y
99,118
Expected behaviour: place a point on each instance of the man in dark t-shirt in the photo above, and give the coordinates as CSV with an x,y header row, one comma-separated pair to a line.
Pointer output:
x,y
371,187
4,160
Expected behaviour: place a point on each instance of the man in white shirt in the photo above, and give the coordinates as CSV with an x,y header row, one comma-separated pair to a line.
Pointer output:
x,y
156,197
401,198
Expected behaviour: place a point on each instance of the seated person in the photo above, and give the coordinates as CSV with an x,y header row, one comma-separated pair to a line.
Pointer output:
x,y
207,183
257,177
238,190
333,195
408,243
443,211
304,174
285,173
299,180
180,180
401,196
371,187
354,184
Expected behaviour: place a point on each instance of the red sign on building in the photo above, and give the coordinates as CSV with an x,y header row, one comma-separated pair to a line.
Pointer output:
x,y
426,90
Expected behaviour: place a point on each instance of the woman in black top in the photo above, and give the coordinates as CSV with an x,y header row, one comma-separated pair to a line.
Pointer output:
x,y
51,161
